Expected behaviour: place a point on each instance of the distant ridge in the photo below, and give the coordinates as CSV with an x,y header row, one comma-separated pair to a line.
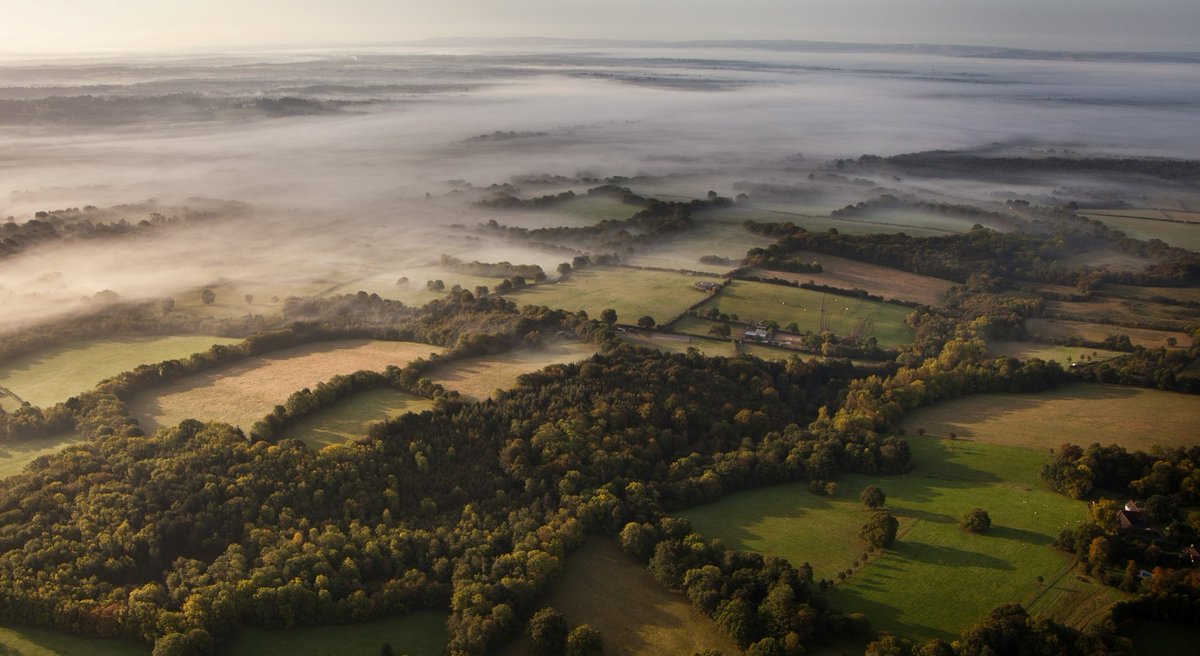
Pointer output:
x,y
950,50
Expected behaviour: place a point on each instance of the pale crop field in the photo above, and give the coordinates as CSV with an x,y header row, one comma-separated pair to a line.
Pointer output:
x,y
1039,328
877,280
349,418
245,391
476,378
14,455
1064,355
56,374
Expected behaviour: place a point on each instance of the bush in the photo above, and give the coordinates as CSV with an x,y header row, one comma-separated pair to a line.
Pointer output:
x,y
976,521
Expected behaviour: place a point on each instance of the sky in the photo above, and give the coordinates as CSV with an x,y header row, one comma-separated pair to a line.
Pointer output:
x,y
78,26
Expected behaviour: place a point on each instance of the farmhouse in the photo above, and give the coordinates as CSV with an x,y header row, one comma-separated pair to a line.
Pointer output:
x,y
757,333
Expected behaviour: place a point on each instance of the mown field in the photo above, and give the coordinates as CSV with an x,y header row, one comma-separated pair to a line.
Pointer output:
x,y
754,301
1080,413
53,375
633,293
244,392
14,455
635,614
477,378
29,641
1063,355
937,579
348,418
421,633
1125,311
1054,329
1141,224
875,279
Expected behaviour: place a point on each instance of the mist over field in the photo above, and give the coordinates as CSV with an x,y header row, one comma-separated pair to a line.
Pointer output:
x,y
350,159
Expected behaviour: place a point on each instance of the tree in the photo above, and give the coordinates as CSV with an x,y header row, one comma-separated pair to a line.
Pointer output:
x,y
548,628
584,641
646,321
208,296
976,520
872,497
880,530
249,299
564,269
608,316
720,330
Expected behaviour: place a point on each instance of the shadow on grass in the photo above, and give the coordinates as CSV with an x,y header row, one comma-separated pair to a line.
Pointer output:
x,y
947,556
884,616
1019,534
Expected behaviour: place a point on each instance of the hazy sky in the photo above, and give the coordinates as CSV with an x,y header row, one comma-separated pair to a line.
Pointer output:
x,y
63,26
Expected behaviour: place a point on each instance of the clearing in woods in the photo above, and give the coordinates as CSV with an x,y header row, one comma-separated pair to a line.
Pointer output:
x,y
243,392
1181,229
903,589
349,418
1056,329
633,293
1063,355
1080,413
420,633
757,301
15,454
56,374
635,615
477,378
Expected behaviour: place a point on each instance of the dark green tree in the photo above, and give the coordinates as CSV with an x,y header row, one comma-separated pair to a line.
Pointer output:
x,y
880,530
976,520
548,628
872,497
584,641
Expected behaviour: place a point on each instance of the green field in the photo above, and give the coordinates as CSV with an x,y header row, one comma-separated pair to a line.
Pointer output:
x,y
52,375
28,641
422,633
1063,355
937,579
1080,413
15,455
756,301
633,293
635,614
1175,233
348,418
1054,329
477,378
683,251
816,218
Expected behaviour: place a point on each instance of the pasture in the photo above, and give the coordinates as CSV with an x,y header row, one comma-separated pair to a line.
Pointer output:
x,y
30,641
477,378
1061,329
56,374
348,419
1179,294
420,633
243,392
1108,258
1080,413
635,614
1180,229
937,579
633,293
1125,311
14,455
881,281
684,250
754,301
1063,355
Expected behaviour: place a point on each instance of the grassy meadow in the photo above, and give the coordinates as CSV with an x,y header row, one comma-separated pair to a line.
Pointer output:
x,y
878,280
1080,413
245,391
1183,230
56,374
348,419
937,579
30,641
15,454
636,615
683,251
421,633
1054,329
633,293
477,378
755,301
1063,355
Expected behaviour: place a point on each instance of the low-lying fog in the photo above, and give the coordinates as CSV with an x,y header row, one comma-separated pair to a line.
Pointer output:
x,y
338,151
